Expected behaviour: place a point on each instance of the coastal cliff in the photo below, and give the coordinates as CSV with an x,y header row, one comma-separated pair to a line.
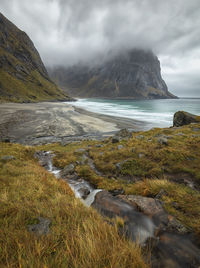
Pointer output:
x,y
129,75
23,76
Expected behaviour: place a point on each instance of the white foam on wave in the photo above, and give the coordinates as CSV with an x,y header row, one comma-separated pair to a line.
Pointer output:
x,y
129,110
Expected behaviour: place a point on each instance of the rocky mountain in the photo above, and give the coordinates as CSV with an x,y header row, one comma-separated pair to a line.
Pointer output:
x,y
135,74
23,76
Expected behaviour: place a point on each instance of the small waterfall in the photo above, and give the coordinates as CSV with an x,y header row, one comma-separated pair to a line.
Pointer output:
x,y
90,199
79,187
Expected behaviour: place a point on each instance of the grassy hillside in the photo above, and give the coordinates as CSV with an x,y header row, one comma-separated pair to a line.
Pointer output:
x,y
23,76
79,237
146,167
145,164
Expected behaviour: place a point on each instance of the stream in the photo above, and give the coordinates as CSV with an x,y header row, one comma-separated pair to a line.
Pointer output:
x,y
81,188
168,248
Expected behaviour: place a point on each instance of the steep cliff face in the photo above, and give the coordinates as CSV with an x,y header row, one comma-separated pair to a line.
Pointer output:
x,y
134,74
23,76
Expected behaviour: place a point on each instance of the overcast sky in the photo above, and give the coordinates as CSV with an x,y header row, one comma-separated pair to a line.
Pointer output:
x,y
68,31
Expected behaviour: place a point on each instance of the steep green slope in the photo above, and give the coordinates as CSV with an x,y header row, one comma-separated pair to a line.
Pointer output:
x,y
23,76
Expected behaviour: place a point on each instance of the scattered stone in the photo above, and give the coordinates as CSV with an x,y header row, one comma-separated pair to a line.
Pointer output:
x,y
182,118
163,141
139,137
175,225
101,153
161,194
98,145
81,150
141,155
124,133
42,228
84,158
196,135
7,157
115,139
120,164
180,134
120,147
68,170
196,129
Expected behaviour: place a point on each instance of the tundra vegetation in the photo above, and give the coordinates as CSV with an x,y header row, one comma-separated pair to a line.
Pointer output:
x,y
144,163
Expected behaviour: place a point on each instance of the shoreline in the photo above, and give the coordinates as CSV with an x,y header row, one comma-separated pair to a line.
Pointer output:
x,y
49,122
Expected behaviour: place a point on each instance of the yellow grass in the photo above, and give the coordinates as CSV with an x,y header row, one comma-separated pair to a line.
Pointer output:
x,y
78,237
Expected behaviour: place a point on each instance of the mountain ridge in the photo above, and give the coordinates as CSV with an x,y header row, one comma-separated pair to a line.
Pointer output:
x,y
23,76
135,74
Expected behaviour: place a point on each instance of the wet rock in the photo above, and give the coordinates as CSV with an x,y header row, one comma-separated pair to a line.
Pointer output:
x,y
176,251
115,139
42,228
84,192
139,137
136,225
7,157
124,133
44,157
117,191
182,118
68,170
147,205
163,141
175,226
119,147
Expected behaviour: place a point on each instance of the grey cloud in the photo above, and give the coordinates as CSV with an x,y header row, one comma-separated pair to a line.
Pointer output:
x,y
69,31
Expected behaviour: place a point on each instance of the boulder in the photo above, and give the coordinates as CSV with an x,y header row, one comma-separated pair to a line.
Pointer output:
x,y
42,228
137,226
182,118
69,169
163,141
115,139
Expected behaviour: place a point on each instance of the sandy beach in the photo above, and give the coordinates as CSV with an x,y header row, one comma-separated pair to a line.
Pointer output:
x,y
47,122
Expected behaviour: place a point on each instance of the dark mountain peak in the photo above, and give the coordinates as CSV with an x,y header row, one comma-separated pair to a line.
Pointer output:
x,y
129,74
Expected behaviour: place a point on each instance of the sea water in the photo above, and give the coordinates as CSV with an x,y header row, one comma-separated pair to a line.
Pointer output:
x,y
157,113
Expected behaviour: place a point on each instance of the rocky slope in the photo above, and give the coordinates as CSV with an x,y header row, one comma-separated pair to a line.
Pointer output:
x,y
134,74
23,76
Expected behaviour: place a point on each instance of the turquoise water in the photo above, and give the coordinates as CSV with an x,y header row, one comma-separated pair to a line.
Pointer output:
x,y
157,113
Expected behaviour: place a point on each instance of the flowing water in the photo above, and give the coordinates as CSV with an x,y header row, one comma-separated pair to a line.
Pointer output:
x,y
157,113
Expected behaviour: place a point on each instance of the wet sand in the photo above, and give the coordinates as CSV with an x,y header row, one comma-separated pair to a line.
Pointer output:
x,y
47,122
